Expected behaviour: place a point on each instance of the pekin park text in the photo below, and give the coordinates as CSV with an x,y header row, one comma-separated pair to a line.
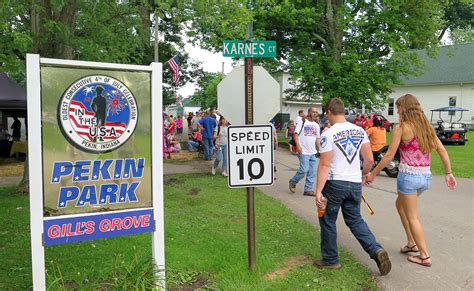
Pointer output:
x,y
108,171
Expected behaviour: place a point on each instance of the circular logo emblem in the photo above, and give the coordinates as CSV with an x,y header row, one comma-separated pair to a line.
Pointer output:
x,y
323,141
97,113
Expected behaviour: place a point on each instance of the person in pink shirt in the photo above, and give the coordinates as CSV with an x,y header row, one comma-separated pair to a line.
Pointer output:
x,y
179,125
415,138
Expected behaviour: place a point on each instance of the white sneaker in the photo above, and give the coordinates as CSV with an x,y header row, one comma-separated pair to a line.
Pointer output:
x,y
224,174
213,170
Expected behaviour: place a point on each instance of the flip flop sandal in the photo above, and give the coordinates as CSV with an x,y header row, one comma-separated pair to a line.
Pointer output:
x,y
410,259
406,249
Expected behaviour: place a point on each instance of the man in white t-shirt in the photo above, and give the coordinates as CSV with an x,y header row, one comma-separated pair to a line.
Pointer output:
x,y
216,114
300,117
306,138
340,182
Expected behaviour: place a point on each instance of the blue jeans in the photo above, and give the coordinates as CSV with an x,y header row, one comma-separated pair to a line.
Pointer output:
x,y
345,195
192,145
308,164
208,145
221,154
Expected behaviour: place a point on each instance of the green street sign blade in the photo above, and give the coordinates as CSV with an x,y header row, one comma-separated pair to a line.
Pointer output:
x,y
256,48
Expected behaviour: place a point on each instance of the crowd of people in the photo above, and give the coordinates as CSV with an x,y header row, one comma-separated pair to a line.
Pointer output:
x,y
208,133
172,129
336,157
373,125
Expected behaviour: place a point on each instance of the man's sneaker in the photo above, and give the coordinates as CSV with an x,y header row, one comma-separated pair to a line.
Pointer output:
x,y
383,262
309,193
224,174
322,265
292,187
213,170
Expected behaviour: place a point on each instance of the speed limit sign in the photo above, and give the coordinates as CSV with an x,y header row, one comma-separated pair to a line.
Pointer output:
x,y
250,150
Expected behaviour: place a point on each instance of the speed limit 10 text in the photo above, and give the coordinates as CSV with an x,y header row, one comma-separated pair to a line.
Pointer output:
x,y
249,137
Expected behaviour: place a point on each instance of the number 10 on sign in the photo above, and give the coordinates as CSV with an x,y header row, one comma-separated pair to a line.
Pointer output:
x,y
250,156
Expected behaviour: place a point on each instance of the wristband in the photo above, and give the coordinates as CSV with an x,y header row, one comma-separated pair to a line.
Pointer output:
x,y
448,173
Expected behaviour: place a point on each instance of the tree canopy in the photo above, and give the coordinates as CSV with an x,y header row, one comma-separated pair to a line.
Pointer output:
x,y
357,50
100,30
354,49
206,93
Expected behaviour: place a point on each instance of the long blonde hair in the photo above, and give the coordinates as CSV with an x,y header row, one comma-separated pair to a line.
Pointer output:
x,y
412,115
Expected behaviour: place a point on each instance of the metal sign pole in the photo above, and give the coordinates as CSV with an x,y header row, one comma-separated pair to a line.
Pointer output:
x,y
249,120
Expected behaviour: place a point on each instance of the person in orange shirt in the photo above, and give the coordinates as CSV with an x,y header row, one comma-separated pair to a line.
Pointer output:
x,y
377,135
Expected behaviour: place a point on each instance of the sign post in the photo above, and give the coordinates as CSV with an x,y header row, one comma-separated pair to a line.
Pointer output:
x,y
252,257
256,139
91,175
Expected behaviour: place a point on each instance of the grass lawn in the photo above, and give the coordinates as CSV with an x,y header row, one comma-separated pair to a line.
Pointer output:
x,y
281,136
461,156
206,245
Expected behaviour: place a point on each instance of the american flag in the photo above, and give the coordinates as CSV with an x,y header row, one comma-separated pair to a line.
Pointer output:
x,y
174,65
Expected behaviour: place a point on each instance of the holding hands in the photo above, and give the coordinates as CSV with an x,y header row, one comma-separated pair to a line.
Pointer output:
x,y
368,179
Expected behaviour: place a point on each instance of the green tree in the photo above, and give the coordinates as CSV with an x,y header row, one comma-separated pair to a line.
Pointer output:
x,y
459,36
458,16
100,30
354,49
206,93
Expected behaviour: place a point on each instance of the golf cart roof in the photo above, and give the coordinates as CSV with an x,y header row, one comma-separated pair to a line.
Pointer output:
x,y
450,108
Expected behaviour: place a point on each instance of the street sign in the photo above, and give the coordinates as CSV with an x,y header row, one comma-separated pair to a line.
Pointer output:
x,y
250,156
265,96
255,49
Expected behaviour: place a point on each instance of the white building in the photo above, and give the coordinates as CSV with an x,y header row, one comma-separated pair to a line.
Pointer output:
x,y
447,80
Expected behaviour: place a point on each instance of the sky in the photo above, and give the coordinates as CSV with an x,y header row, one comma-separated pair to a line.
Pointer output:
x,y
211,62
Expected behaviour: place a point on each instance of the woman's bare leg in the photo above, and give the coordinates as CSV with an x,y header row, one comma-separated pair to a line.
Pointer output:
x,y
409,205
406,226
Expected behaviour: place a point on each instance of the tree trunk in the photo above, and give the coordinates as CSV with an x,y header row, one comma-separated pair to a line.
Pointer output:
x,y
48,44
333,29
25,181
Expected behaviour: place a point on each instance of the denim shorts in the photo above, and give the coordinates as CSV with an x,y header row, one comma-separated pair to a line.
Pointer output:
x,y
412,184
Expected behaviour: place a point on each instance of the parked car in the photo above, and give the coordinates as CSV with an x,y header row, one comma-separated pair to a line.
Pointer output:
x,y
350,115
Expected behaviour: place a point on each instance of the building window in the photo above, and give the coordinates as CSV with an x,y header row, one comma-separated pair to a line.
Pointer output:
x,y
452,102
391,102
